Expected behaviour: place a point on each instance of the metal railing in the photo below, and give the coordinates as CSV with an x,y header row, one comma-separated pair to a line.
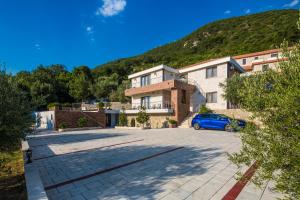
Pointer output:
x,y
153,105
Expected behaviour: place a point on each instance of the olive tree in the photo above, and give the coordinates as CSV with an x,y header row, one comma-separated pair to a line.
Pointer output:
x,y
273,97
16,115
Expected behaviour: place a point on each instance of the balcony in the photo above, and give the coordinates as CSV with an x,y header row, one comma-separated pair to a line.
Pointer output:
x,y
152,107
165,85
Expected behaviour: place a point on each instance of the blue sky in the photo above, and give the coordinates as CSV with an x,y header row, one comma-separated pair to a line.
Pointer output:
x,y
93,32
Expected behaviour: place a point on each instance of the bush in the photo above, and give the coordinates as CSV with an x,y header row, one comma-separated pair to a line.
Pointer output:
x,y
123,118
100,105
172,121
82,122
132,122
63,125
142,116
203,110
52,105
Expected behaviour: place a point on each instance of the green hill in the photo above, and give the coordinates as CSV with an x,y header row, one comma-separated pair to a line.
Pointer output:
x,y
232,36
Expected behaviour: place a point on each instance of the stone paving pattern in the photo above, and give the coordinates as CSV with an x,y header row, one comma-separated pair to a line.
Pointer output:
x,y
200,170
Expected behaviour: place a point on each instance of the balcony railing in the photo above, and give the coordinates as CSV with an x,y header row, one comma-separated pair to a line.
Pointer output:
x,y
152,105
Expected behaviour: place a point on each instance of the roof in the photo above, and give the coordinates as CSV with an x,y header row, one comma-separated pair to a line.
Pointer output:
x,y
250,67
153,69
210,63
257,53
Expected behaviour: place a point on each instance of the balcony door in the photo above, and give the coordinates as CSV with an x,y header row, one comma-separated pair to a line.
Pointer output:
x,y
145,80
145,102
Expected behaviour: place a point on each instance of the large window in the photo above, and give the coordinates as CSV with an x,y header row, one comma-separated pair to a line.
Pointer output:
x,y
211,72
211,97
265,67
274,55
244,61
145,102
145,80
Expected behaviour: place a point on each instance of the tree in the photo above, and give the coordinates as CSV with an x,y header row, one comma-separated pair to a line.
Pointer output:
x,y
142,117
15,113
274,98
80,83
203,110
104,86
122,118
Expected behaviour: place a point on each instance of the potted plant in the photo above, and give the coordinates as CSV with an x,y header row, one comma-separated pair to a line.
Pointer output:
x,y
173,123
101,106
142,117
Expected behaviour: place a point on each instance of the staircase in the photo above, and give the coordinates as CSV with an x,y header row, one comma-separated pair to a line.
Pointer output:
x,y
186,123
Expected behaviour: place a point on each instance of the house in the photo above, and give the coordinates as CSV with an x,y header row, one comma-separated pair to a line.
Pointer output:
x,y
260,61
169,93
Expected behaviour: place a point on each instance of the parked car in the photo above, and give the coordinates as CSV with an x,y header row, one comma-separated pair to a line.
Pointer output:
x,y
215,121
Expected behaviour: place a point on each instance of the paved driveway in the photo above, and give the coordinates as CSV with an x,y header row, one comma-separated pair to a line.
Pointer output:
x,y
139,164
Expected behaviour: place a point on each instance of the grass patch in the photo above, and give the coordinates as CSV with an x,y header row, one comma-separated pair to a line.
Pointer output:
x,y
12,180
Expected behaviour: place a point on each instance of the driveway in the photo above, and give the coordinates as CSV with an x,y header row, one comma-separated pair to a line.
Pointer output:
x,y
139,164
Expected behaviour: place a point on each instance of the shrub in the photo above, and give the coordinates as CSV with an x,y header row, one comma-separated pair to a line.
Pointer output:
x,y
234,125
52,105
132,122
82,122
63,125
142,116
123,118
203,110
100,105
172,121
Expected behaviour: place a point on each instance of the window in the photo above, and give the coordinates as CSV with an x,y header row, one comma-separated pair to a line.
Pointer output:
x,y
183,96
211,72
145,80
274,55
244,61
145,102
256,58
265,67
211,97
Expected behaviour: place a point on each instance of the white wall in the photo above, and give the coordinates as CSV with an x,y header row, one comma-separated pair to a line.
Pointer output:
x,y
258,68
261,58
46,119
155,77
169,75
205,85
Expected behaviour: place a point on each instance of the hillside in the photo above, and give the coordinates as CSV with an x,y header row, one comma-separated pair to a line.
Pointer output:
x,y
232,36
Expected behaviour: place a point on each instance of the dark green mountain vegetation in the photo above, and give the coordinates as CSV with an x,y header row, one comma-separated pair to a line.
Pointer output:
x,y
233,36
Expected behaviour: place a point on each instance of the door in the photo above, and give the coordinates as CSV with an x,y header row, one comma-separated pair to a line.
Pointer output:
x,y
108,120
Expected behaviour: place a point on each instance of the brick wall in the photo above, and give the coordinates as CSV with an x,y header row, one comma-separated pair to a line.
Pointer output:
x,y
94,119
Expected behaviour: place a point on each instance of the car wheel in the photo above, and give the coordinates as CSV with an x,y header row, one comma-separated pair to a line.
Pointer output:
x,y
197,126
228,128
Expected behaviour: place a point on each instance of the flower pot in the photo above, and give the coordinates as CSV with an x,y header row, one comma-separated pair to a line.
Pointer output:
x,y
173,125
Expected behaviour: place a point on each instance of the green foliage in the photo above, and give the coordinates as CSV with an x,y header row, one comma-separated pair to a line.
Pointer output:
x,y
82,122
101,105
172,121
273,98
122,118
227,37
52,105
142,116
80,83
203,109
16,116
132,122
234,125
63,125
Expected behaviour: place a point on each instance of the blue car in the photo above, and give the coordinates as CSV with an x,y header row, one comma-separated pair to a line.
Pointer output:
x,y
215,121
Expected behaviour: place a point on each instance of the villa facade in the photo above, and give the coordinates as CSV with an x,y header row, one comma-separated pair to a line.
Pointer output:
x,y
169,93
